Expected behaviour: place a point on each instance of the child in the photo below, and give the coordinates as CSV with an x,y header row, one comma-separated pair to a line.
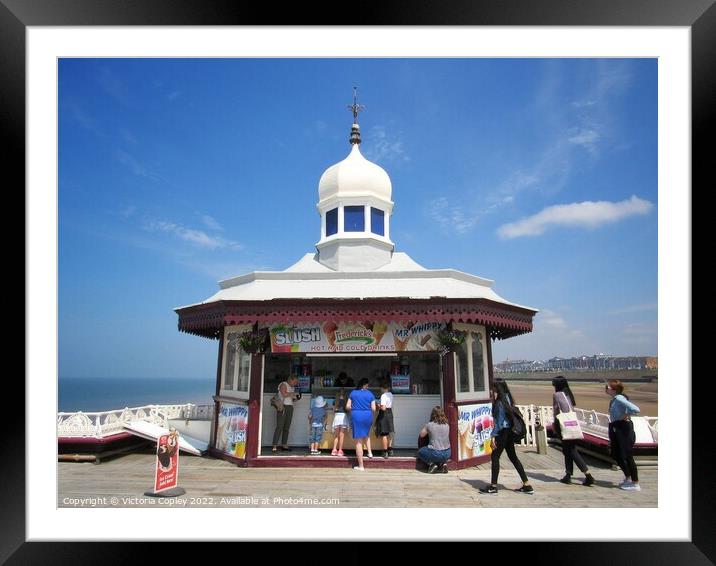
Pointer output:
x,y
340,423
384,423
317,421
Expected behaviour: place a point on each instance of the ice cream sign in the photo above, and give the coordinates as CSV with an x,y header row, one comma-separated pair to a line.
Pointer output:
x,y
360,336
474,427
231,436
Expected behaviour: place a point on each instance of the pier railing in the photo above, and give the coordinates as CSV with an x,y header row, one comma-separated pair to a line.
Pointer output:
x,y
592,422
107,423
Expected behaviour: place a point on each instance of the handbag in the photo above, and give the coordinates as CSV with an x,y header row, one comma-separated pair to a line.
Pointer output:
x,y
519,429
277,402
569,426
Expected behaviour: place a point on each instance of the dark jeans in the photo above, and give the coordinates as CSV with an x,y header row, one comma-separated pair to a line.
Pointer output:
x,y
283,423
430,455
621,444
572,456
505,441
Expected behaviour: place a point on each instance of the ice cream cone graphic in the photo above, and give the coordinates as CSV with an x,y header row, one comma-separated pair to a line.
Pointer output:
x,y
400,344
470,440
379,330
462,437
330,330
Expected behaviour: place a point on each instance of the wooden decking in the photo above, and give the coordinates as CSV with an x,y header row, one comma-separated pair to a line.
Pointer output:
x,y
215,483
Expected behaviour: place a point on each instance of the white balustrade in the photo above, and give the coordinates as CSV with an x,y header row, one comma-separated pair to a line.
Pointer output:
x,y
107,423
592,422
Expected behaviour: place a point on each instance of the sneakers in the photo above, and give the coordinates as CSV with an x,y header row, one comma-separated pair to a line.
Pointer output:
x,y
443,469
390,451
566,479
334,452
432,468
385,455
315,452
489,489
630,486
588,480
370,455
340,452
359,468
526,489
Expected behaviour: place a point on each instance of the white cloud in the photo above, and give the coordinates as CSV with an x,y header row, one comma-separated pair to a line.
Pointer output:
x,y
635,308
113,85
577,215
378,146
172,96
196,237
136,166
551,319
587,138
211,223
454,218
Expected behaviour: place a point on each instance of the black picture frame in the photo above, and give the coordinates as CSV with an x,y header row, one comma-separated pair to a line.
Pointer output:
x,y
698,15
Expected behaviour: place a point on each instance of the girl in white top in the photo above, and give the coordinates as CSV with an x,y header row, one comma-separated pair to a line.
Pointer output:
x,y
384,426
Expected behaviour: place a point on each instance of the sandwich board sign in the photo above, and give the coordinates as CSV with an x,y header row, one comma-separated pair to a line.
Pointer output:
x,y
166,475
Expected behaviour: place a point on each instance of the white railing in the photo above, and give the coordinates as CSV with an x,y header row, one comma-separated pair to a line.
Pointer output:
x,y
106,423
197,412
591,422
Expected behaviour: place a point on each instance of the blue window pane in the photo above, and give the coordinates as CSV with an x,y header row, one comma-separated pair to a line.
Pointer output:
x,y
377,221
331,222
353,219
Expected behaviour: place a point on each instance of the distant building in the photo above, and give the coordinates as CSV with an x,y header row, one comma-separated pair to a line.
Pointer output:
x,y
597,362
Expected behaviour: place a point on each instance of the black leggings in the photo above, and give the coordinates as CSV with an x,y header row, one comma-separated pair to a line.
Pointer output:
x,y
572,456
621,444
505,441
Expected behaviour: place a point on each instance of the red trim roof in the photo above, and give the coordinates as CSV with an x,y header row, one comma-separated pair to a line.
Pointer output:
x,y
504,321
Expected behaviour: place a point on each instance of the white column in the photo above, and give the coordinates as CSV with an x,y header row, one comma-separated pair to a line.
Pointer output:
x,y
323,225
366,219
386,224
340,219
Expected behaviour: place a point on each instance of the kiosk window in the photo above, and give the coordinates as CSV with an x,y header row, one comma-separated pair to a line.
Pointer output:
x,y
478,364
463,370
237,365
470,365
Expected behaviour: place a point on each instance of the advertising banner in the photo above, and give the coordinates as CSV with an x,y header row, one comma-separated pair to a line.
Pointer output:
x,y
474,427
231,431
364,336
167,470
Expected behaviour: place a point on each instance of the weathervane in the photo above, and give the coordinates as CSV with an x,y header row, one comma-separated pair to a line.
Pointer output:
x,y
355,107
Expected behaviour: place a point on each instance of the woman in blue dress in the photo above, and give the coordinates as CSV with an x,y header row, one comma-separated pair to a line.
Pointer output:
x,y
361,404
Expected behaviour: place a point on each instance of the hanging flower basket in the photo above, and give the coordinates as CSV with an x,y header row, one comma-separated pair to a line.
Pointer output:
x,y
450,339
254,342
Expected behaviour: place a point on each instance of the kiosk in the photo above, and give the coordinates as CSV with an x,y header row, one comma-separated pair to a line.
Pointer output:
x,y
355,306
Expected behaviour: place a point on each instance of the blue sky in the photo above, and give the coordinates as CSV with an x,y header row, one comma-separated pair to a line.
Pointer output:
x,y
540,174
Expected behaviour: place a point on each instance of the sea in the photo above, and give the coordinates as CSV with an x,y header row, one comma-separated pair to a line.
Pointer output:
x,y
92,395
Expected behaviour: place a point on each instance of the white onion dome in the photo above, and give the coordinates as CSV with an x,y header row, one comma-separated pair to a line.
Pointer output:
x,y
355,176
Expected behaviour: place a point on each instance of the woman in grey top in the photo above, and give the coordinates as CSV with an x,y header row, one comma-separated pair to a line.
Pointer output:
x,y
437,452
563,402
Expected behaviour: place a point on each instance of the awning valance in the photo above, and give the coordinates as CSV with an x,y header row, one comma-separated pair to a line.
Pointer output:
x,y
503,321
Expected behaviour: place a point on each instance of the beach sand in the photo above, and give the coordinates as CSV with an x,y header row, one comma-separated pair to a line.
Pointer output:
x,y
588,395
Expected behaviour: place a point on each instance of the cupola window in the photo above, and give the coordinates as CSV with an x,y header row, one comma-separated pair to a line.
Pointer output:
x,y
377,221
332,222
354,219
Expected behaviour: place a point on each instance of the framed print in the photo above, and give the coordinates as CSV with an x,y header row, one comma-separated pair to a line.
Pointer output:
x,y
36,35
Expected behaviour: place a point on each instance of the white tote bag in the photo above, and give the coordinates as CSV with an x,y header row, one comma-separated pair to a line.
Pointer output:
x,y
569,426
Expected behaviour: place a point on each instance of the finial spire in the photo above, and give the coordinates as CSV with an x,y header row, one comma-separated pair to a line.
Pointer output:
x,y
355,108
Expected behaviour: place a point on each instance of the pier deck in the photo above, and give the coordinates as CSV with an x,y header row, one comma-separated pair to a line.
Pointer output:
x,y
129,476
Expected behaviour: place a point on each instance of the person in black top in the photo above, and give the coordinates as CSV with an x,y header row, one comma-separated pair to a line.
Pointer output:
x,y
343,380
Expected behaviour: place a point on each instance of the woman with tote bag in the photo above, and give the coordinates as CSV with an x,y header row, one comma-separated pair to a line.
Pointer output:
x,y
563,402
